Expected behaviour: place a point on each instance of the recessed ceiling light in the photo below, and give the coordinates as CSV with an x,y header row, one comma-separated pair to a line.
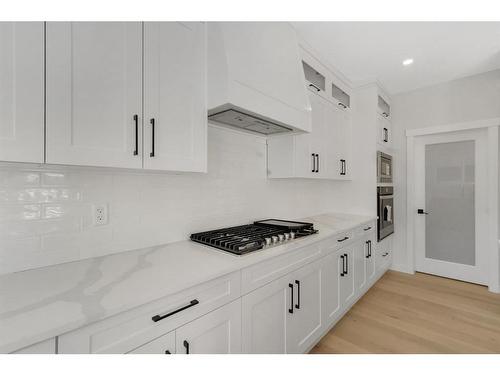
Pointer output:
x,y
407,62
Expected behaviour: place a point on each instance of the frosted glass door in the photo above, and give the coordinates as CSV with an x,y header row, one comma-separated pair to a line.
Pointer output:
x,y
451,205
449,200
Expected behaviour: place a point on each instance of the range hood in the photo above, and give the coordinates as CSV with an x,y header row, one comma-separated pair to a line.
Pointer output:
x,y
255,78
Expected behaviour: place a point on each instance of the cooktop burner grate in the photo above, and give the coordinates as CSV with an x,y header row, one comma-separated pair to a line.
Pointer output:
x,y
246,238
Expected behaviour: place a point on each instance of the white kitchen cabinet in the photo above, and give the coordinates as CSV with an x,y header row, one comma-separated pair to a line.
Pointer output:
x,y
360,253
285,315
265,314
162,345
384,131
305,322
346,279
22,91
218,332
175,92
330,291
94,93
324,153
383,107
370,261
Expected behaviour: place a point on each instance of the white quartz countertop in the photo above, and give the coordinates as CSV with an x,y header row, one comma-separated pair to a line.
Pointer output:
x,y
42,303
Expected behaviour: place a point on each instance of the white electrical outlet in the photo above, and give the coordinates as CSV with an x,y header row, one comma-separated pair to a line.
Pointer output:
x,y
100,214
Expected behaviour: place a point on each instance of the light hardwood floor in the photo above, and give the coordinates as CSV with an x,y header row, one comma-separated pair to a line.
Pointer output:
x,y
418,313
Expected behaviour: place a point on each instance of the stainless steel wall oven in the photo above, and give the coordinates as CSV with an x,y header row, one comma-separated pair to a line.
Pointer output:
x,y
385,205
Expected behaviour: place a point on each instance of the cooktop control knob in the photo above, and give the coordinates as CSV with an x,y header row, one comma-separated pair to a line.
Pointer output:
x,y
275,239
268,240
281,237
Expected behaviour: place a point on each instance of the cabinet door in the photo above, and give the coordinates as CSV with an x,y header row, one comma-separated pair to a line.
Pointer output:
x,y
305,323
384,131
359,252
308,147
265,312
330,298
162,345
346,279
93,93
21,91
175,109
370,261
218,332
43,347
338,138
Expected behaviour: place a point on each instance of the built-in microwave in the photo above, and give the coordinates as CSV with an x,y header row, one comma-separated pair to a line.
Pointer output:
x,y
384,168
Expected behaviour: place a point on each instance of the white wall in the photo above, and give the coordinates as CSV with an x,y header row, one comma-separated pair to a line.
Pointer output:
x,y
467,99
46,212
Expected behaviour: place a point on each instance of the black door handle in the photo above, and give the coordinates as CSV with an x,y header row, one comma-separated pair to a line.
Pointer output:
x,y
290,310
317,163
342,167
346,265
420,211
136,121
186,345
152,122
343,265
314,163
297,305
167,352
157,318
367,249
386,135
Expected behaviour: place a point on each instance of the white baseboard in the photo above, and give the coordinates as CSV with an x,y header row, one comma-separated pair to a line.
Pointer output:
x,y
401,268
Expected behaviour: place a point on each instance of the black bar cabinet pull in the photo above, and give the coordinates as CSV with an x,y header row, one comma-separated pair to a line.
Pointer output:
x,y
314,163
297,305
367,228
317,163
157,318
367,249
167,352
342,167
290,310
136,121
343,265
186,345
346,265
343,239
152,122
386,135
316,87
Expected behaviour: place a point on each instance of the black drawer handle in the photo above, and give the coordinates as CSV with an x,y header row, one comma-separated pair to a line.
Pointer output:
x,y
343,265
317,163
167,352
290,310
186,345
346,265
297,305
314,163
385,254
367,228
369,248
343,239
157,318
136,121
152,122
316,87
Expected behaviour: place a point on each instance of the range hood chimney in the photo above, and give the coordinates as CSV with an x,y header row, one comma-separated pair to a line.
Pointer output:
x,y
255,78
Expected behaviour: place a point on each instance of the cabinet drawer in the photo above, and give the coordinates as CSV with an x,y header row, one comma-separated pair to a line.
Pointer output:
x,y
261,273
127,331
383,258
43,347
162,345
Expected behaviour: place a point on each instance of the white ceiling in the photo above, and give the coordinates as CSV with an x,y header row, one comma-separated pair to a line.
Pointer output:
x,y
442,51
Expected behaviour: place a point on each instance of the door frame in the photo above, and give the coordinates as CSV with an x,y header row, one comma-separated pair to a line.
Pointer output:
x,y
492,157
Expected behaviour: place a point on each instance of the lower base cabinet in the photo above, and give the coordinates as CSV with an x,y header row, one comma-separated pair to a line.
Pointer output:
x,y
218,332
284,316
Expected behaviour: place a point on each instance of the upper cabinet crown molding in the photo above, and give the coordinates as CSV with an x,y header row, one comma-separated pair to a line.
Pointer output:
x,y
21,91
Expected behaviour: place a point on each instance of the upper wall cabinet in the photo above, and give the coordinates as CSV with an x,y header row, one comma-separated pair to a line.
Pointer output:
x,y
21,91
94,101
175,109
383,107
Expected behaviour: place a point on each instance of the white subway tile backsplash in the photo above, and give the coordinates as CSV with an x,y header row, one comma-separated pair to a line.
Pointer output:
x,y
46,212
